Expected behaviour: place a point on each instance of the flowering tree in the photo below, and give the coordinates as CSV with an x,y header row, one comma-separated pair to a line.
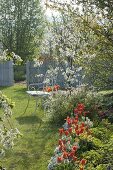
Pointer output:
x,y
62,45
93,21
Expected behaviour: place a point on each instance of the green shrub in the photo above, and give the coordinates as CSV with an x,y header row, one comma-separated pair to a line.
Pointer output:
x,y
93,156
19,73
101,156
102,167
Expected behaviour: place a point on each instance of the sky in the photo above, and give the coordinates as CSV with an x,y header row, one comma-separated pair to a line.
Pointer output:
x,y
50,11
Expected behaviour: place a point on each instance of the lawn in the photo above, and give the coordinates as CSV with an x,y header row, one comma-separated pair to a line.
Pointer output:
x,y
33,150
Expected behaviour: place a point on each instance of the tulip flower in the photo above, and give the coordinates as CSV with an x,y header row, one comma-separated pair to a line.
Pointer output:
x,y
61,131
75,110
66,133
76,128
74,158
65,155
80,107
68,120
48,89
60,142
59,159
70,130
56,87
72,153
83,162
75,148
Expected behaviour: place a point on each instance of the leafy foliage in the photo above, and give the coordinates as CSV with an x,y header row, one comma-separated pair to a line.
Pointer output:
x,y
102,155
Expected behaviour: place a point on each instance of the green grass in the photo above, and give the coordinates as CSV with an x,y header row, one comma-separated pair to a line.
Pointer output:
x,y
106,92
33,150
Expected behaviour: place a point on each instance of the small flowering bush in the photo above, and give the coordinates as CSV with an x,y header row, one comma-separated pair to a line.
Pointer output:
x,y
8,133
5,98
61,105
7,56
66,153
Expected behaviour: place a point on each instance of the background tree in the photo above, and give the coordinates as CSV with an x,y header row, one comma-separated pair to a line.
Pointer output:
x,y
95,47
22,25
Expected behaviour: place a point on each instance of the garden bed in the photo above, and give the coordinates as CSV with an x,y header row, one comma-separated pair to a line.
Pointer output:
x,y
34,149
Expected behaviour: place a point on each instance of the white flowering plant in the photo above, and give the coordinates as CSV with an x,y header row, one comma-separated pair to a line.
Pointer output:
x,y
10,56
8,133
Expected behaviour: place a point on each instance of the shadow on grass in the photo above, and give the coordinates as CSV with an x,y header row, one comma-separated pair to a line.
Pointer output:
x,y
29,120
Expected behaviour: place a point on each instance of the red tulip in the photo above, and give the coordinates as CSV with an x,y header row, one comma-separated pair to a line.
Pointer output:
x,y
56,87
64,141
76,118
72,153
80,112
83,162
81,130
76,111
82,124
60,142
75,148
76,128
77,132
48,89
59,159
65,155
66,133
68,120
61,131
80,107
74,158
70,130
76,121
62,147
